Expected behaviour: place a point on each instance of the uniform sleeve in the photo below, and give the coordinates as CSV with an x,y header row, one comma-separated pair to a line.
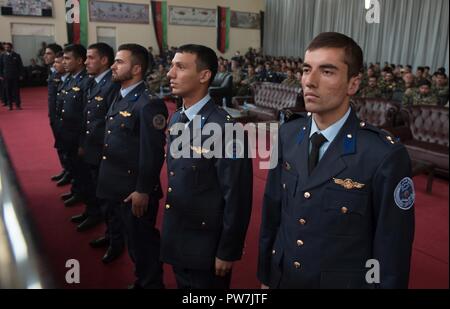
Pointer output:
x,y
271,217
236,182
394,224
1,66
20,67
152,142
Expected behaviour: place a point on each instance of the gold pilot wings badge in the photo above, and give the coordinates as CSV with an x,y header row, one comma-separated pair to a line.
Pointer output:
x,y
125,114
199,150
98,98
76,89
348,183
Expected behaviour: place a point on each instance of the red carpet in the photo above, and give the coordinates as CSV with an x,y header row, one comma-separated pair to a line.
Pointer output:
x,y
29,143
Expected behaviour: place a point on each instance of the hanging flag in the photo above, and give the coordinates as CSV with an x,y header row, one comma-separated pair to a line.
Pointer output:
x,y
159,14
223,28
77,22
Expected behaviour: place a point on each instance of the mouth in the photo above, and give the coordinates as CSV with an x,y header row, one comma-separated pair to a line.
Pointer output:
x,y
310,95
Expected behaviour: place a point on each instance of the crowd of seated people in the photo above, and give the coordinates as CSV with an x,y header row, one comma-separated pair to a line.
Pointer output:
x,y
397,82
391,82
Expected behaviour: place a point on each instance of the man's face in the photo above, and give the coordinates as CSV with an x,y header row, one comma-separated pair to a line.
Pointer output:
x,y
370,72
419,73
441,81
71,63
49,56
94,63
372,82
409,79
58,65
185,78
7,47
424,90
290,74
122,67
388,77
161,68
325,80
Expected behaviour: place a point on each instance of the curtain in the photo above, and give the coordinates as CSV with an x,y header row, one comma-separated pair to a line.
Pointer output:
x,y
414,32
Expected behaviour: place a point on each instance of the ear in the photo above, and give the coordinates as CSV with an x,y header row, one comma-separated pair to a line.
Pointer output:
x,y
104,61
353,85
205,76
136,70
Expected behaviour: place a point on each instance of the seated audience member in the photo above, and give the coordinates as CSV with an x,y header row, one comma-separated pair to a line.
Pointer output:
x,y
440,89
422,95
371,91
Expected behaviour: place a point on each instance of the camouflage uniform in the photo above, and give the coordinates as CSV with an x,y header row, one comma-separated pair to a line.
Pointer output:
x,y
441,93
292,82
244,89
415,98
371,93
388,88
158,80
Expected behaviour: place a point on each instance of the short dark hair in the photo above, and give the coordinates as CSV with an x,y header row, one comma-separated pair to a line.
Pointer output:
x,y
104,50
439,73
9,44
206,58
353,52
139,55
78,51
55,48
59,54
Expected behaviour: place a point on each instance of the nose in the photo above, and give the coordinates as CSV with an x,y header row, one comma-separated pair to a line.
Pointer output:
x,y
309,80
171,73
113,67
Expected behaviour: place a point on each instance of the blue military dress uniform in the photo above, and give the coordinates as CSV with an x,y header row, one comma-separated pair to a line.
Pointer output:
x,y
54,87
319,230
132,158
68,127
11,69
99,97
207,209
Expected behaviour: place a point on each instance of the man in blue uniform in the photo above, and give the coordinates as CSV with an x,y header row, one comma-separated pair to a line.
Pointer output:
x,y
133,154
11,71
341,196
61,81
69,118
99,97
209,199
54,79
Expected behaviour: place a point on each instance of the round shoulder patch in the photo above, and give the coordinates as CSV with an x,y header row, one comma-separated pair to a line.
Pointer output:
x,y
159,122
404,195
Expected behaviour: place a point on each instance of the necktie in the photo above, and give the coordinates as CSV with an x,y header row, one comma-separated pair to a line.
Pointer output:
x,y
317,141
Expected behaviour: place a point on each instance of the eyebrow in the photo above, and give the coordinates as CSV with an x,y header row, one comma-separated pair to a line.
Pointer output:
x,y
323,66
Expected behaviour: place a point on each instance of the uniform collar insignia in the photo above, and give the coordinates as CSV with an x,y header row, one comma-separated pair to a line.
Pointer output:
x,y
98,98
76,89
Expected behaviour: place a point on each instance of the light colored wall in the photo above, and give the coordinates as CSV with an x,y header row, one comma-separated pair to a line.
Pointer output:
x,y
240,39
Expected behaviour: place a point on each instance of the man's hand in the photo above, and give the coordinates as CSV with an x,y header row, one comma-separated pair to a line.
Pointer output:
x,y
264,287
223,267
139,203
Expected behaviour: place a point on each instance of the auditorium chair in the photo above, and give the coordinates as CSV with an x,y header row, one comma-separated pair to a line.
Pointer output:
x,y
378,112
269,100
425,135
222,88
